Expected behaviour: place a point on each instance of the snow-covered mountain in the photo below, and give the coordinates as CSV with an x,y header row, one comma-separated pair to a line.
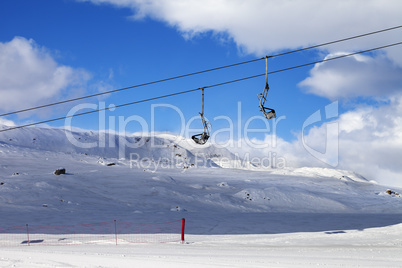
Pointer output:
x,y
235,212
164,174
163,149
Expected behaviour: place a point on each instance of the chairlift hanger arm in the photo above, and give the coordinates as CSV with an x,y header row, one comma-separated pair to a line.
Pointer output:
x,y
268,112
203,137
202,101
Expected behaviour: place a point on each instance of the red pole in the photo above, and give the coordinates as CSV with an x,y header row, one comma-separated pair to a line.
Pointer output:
x,y
183,223
115,230
28,233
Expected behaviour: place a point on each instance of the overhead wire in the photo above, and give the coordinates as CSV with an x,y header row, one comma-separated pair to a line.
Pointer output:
x,y
336,41
130,87
205,87
198,72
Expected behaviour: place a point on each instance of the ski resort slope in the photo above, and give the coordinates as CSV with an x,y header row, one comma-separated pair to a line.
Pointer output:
x,y
234,217
376,247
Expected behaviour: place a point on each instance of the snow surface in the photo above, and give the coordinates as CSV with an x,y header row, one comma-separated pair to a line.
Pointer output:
x,y
235,217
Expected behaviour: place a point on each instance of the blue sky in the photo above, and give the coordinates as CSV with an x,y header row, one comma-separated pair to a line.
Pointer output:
x,y
118,52
57,49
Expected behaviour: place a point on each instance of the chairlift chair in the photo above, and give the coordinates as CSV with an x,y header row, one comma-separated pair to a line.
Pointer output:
x,y
204,136
269,113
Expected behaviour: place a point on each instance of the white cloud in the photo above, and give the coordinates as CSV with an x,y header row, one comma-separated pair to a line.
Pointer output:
x,y
29,76
263,26
6,122
354,76
369,141
374,146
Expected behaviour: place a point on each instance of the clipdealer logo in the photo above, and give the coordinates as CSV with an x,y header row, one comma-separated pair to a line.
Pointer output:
x,y
330,153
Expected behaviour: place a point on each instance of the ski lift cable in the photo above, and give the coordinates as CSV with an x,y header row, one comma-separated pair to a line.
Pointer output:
x,y
336,41
130,87
205,87
306,64
199,72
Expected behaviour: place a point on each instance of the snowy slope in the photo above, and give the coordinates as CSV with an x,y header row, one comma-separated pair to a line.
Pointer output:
x,y
256,218
92,191
164,148
163,179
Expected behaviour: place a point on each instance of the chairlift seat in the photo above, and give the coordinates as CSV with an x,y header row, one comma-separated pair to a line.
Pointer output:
x,y
201,138
268,112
